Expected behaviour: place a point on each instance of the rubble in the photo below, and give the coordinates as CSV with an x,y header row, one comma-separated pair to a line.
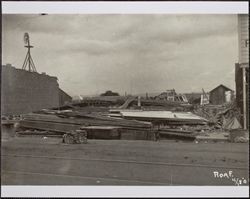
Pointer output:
x,y
241,140
75,137
224,116
126,122
11,118
239,135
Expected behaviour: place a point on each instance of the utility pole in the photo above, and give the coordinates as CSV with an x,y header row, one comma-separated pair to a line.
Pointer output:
x,y
243,66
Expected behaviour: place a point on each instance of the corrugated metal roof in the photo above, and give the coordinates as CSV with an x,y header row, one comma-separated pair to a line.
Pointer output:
x,y
162,115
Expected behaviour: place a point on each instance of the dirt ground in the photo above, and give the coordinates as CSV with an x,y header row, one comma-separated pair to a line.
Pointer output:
x,y
47,161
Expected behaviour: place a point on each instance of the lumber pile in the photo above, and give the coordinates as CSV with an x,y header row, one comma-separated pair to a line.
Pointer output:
x,y
96,125
103,132
38,133
177,135
175,130
83,119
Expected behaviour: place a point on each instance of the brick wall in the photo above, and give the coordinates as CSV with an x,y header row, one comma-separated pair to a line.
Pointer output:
x,y
24,91
64,98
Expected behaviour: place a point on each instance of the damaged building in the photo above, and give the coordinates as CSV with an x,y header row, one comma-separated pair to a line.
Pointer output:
x,y
25,91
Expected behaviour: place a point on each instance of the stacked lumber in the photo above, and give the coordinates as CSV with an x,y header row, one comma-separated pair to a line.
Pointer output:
x,y
82,119
176,130
103,132
175,133
96,125
39,133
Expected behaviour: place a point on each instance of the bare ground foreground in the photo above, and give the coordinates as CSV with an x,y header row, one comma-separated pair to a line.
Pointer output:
x,y
47,161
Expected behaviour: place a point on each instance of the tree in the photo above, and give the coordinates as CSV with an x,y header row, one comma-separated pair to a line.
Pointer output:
x,y
110,93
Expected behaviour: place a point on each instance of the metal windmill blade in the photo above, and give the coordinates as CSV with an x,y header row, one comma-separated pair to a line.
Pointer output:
x,y
26,38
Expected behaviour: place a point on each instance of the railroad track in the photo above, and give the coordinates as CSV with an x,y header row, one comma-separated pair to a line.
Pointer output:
x,y
129,162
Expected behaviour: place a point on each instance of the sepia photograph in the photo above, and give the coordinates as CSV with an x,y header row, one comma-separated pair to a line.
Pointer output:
x,y
125,99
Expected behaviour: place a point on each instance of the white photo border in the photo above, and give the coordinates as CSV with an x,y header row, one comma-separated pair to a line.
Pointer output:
x,y
25,7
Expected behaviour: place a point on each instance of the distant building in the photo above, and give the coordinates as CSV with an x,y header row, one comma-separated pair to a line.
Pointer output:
x,y
220,95
171,95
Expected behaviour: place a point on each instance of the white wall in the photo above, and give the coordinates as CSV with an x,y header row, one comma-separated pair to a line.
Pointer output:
x,y
243,28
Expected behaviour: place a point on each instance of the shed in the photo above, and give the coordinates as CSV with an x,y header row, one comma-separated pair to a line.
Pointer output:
x,y
220,95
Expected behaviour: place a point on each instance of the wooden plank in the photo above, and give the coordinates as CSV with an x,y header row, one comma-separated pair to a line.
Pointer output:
x,y
87,122
176,131
176,135
48,126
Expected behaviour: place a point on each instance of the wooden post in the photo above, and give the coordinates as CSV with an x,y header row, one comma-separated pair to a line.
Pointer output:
x,y
244,97
139,101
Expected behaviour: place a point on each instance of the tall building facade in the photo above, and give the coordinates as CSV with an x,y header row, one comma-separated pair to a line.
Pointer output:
x,y
24,91
242,69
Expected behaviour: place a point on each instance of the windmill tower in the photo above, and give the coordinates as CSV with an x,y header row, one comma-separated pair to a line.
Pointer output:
x,y
28,59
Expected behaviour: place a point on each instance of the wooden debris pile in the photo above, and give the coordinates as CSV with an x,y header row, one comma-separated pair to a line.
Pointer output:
x,y
225,116
168,123
239,135
95,124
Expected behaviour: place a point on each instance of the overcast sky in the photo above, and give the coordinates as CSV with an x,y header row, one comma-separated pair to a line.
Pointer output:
x,y
127,53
